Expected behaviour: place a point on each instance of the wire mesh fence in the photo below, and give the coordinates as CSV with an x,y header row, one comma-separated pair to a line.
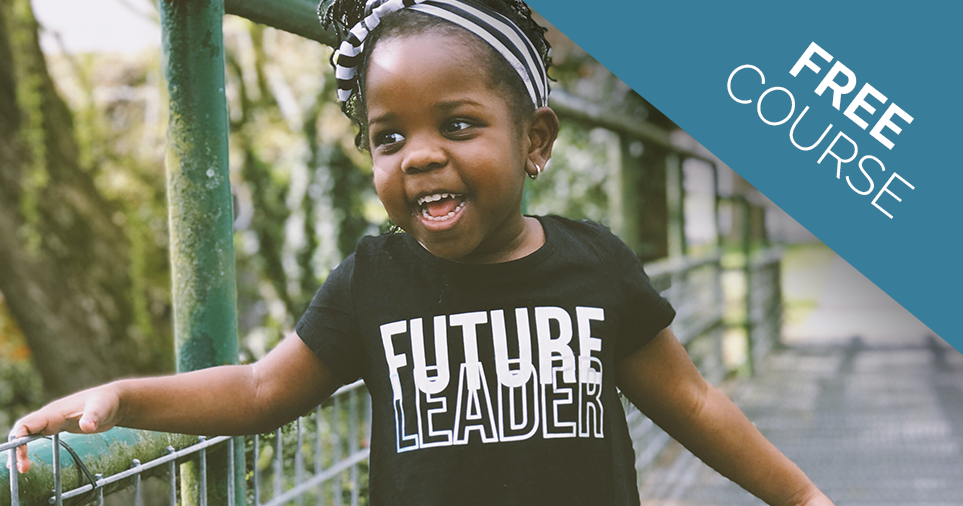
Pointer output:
x,y
321,458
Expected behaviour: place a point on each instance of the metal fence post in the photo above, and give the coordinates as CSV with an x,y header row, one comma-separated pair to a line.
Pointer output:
x,y
675,204
745,210
199,196
624,198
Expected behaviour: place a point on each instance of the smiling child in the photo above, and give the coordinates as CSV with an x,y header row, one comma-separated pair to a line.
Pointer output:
x,y
491,342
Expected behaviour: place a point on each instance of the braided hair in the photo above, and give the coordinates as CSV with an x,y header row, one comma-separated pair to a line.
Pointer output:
x,y
342,15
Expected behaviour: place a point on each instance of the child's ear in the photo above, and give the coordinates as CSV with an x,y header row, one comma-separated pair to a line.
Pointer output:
x,y
542,132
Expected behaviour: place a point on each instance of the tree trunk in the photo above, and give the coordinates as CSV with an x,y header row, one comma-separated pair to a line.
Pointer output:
x,y
65,265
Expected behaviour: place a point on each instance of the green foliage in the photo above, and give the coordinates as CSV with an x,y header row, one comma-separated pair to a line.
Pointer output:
x,y
20,390
580,178
574,184
20,385
30,98
304,194
117,108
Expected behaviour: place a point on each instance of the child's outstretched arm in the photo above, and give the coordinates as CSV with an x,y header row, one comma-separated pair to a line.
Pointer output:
x,y
664,384
226,400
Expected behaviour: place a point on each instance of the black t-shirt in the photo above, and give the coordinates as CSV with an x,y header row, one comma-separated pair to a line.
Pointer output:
x,y
491,384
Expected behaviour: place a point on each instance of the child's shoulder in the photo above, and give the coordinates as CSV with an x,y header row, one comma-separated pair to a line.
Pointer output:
x,y
586,228
371,254
579,230
585,234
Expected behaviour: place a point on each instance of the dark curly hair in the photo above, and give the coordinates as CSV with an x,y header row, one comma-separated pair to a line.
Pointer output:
x,y
344,14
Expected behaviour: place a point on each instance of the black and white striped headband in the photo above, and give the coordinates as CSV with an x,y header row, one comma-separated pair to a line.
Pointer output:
x,y
494,28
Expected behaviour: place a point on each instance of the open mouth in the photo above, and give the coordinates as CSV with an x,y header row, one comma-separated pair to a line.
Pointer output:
x,y
440,206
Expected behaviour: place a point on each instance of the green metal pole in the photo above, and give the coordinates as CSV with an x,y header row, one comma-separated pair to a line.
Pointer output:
x,y
201,208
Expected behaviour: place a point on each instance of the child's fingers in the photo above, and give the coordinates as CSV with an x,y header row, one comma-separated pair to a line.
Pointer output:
x,y
23,460
46,421
87,412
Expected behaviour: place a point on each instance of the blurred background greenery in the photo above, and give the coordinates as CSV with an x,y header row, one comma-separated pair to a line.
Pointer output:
x,y
86,297
84,274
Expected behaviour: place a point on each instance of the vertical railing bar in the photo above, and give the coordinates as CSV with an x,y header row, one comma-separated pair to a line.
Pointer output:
x,y
299,461
277,464
366,398
368,417
746,210
317,440
336,449
138,497
675,204
58,486
779,304
257,456
203,470
100,490
353,442
230,473
14,477
172,478
318,461
352,422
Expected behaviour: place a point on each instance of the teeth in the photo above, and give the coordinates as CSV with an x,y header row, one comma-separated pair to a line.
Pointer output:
x,y
424,212
435,198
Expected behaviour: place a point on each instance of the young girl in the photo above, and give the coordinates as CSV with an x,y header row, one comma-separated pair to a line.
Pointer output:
x,y
491,342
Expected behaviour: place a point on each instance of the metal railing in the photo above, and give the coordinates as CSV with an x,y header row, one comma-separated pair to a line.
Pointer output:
x,y
336,437
338,448
322,457
764,302
98,485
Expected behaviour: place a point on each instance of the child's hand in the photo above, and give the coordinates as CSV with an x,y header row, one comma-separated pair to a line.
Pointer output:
x,y
89,411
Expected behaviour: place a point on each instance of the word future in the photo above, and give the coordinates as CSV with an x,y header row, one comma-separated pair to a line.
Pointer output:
x,y
555,391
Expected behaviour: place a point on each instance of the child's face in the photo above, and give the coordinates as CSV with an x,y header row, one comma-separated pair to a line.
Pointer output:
x,y
449,160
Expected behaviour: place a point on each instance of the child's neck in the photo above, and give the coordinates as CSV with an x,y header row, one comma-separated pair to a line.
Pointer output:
x,y
528,240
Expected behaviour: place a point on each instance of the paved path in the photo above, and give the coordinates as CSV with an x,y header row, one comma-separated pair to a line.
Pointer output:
x,y
877,423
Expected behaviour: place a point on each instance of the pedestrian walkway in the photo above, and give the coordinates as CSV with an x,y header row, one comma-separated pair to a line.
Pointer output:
x,y
872,423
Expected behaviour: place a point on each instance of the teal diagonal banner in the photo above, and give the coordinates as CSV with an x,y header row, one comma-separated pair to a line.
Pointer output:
x,y
845,114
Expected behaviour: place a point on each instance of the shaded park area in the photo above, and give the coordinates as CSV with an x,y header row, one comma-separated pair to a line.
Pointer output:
x,y
861,395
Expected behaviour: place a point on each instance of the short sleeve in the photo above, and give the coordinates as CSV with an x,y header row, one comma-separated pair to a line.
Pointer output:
x,y
329,326
645,312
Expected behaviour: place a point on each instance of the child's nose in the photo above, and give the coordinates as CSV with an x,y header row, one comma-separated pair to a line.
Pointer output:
x,y
423,155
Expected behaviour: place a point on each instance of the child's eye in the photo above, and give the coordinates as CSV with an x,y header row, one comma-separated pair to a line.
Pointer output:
x,y
387,138
456,126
